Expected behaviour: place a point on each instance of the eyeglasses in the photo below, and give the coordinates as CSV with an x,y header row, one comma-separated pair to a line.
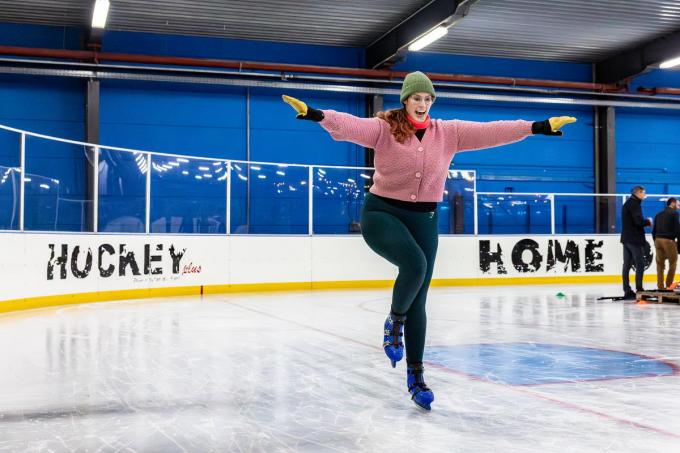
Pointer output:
x,y
428,100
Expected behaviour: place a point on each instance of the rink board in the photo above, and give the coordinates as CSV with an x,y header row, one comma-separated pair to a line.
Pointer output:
x,y
102,267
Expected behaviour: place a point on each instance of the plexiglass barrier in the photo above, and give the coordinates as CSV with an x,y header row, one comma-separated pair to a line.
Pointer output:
x,y
508,213
10,175
122,191
581,213
48,184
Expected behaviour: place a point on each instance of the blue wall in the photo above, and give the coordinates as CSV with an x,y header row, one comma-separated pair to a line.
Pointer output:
x,y
490,66
647,151
53,107
174,118
647,142
231,49
211,121
48,106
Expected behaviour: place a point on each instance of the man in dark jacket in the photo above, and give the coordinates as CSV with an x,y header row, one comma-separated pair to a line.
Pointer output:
x,y
666,232
633,240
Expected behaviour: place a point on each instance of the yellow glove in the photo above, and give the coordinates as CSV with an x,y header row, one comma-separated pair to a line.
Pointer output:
x,y
557,122
299,106
552,125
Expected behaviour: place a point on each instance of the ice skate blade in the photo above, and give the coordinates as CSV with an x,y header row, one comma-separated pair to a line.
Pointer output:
x,y
423,407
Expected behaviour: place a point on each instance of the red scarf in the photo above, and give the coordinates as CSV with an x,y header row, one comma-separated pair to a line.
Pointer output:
x,y
418,125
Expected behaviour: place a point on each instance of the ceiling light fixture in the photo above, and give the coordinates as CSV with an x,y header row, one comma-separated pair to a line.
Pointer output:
x,y
670,63
428,38
101,11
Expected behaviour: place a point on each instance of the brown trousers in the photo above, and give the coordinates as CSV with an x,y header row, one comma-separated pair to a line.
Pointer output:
x,y
666,249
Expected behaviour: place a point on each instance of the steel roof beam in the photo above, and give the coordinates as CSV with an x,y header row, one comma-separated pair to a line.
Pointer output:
x,y
635,61
390,47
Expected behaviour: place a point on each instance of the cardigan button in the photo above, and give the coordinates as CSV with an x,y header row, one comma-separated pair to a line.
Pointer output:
x,y
413,197
418,174
420,149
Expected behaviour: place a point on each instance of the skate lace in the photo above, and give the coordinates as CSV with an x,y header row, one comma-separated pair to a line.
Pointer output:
x,y
418,382
396,333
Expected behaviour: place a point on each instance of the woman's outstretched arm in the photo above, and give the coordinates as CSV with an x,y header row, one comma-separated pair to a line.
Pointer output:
x,y
341,126
471,135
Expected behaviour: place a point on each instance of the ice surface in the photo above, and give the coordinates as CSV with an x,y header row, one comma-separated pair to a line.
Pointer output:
x,y
510,368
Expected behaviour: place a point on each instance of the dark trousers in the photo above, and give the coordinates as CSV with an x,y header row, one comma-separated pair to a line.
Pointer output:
x,y
633,255
408,240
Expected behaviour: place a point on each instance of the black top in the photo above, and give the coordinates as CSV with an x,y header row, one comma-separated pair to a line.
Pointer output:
x,y
417,206
632,223
666,224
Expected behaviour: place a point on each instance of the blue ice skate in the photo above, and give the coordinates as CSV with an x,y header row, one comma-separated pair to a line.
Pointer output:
x,y
392,341
420,393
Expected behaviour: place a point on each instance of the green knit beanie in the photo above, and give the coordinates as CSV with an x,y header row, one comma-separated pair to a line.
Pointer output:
x,y
416,82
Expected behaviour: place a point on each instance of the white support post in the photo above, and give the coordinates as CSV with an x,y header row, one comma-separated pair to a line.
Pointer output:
x,y
310,183
552,213
475,213
22,181
228,221
147,221
95,192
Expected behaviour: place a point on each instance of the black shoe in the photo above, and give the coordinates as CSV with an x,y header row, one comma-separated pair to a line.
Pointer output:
x,y
629,295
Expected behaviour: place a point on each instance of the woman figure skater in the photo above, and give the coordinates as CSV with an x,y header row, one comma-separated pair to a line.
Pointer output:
x,y
399,217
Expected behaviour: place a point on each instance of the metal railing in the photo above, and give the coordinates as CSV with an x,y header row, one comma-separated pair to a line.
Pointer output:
x,y
503,212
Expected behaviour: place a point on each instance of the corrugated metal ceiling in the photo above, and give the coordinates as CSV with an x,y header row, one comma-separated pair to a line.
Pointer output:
x,y
343,23
569,30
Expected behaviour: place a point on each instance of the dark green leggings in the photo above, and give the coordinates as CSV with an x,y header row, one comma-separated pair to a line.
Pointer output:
x,y
408,240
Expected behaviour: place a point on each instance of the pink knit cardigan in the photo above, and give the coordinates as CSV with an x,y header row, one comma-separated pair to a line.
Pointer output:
x,y
414,170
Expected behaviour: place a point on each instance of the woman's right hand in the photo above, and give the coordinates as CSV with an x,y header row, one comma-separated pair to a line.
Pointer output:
x,y
303,112
299,106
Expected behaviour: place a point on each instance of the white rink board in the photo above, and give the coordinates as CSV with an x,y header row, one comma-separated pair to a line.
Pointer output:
x,y
224,260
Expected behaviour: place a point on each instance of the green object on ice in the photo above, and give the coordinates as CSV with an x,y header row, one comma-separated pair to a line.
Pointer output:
x,y
560,295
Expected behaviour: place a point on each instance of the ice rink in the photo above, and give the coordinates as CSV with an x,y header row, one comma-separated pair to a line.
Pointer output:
x,y
513,369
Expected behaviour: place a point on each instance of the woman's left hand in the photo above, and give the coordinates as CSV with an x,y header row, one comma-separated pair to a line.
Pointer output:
x,y
556,122
552,125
